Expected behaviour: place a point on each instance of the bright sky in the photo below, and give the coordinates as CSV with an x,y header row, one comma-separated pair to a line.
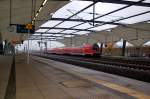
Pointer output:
x,y
35,46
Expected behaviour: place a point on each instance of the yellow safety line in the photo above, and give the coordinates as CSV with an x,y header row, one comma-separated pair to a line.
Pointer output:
x,y
130,92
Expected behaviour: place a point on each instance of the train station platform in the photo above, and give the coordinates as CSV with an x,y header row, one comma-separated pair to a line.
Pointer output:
x,y
48,79
5,70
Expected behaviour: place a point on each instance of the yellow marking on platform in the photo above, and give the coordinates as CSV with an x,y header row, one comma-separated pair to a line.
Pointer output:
x,y
122,89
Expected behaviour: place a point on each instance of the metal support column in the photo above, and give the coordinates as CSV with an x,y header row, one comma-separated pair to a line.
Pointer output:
x,y
1,45
101,49
45,43
28,48
123,47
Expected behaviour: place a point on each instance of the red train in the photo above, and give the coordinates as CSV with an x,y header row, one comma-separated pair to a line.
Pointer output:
x,y
86,49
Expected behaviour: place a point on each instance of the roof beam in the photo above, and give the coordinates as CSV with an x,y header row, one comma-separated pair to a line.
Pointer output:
x,y
123,2
76,13
124,18
45,36
81,20
104,15
40,39
119,20
54,33
67,29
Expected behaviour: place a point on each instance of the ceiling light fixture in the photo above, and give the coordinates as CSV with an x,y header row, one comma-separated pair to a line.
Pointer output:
x,y
44,2
37,13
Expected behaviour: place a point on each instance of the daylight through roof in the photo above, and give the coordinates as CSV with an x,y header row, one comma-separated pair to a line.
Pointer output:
x,y
82,17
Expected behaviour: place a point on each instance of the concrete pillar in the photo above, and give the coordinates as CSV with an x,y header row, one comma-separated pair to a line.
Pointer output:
x,y
123,47
6,47
45,43
12,49
1,45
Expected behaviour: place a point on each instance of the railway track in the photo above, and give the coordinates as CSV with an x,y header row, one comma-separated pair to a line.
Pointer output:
x,y
132,71
112,62
129,61
118,63
120,60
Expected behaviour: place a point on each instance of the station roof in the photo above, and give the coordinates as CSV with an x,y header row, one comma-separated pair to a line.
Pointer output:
x,y
83,17
21,11
63,19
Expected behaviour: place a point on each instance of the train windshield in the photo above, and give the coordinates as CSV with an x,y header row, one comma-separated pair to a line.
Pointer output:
x,y
95,47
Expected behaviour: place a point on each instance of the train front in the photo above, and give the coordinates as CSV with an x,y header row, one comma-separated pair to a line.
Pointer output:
x,y
92,50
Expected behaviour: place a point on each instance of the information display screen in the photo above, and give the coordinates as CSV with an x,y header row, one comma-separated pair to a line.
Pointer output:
x,y
23,29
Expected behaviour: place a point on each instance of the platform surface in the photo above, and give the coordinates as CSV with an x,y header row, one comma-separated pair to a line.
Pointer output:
x,y
5,68
48,79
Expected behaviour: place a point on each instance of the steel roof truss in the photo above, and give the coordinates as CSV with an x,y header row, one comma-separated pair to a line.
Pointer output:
x,y
124,2
67,29
104,15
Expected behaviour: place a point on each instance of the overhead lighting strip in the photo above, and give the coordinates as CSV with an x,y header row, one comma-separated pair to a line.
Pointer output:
x,y
37,13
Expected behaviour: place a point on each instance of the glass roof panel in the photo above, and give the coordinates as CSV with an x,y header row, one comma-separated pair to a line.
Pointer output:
x,y
43,37
41,30
68,24
58,34
42,34
53,34
132,0
84,26
47,34
50,23
109,18
137,19
54,30
68,35
77,5
147,1
103,27
59,38
68,31
133,10
100,9
81,32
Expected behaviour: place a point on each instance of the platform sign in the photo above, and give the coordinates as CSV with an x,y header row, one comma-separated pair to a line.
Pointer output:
x,y
24,28
29,26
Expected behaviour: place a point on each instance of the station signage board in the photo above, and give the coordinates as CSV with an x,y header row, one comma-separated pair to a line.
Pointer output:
x,y
22,29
